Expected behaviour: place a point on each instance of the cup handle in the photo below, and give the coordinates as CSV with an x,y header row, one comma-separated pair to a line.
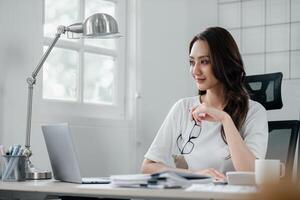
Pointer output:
x,y
282,170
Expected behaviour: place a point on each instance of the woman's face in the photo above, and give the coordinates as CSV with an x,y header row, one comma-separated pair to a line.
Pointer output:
x,y
200,66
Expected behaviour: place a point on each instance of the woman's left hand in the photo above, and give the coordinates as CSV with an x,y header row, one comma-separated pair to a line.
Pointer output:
x,y
204,112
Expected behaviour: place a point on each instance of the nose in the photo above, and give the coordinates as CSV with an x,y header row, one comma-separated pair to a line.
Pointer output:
x,y
196,69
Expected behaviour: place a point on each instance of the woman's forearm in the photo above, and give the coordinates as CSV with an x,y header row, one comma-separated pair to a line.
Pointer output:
x,y
149,167
243,159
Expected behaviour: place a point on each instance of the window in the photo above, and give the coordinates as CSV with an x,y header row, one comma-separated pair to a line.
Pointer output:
x,y
85,75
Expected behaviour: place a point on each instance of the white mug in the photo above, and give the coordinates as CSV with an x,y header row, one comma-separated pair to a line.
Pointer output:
x,y
268,171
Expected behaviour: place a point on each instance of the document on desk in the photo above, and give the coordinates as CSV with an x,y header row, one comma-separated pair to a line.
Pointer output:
x,y
130,180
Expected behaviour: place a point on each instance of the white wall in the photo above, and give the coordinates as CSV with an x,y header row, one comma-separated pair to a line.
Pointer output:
x,y
20,41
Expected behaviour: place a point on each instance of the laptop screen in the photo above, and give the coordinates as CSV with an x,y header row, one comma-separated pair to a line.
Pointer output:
x,y
62,152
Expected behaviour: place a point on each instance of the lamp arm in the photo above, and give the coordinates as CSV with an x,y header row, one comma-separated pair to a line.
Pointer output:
x,y
60,30
31,81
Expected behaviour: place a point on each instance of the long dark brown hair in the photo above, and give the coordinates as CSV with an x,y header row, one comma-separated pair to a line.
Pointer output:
x,y
228,68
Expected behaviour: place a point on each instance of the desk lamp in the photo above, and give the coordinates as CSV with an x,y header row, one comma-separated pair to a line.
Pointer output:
x,y
98,25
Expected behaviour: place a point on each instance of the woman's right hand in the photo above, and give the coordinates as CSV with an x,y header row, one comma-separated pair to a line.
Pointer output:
x,y
211,172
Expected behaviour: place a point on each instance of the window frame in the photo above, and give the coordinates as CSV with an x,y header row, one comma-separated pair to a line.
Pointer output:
x,y
79,109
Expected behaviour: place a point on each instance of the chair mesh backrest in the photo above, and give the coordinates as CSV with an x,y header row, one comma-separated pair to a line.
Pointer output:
x,y
266,89
282,143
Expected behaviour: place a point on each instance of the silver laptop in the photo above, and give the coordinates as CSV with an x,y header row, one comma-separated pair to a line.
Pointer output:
x,y
63,157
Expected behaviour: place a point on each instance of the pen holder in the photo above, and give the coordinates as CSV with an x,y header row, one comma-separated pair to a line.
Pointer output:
x,y
13,168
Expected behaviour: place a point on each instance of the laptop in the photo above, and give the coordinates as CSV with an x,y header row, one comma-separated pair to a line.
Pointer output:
x,y
63,156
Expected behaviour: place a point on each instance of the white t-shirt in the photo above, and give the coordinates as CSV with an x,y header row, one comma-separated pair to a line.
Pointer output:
x,y
209,151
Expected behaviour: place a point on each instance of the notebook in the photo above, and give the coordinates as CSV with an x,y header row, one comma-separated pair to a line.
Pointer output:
x,y
63,158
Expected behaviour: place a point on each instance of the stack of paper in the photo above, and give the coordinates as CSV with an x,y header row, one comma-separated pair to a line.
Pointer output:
x,y
131,180
172,179
167,179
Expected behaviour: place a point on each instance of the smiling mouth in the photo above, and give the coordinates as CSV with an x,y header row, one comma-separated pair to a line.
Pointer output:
x,y
200,80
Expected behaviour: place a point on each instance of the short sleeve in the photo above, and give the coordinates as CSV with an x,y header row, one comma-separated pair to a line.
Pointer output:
x,y
162,145
255,130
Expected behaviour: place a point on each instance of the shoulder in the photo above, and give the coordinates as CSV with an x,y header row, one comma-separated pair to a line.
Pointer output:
x,y
256,115
189,101
255,129
183,105
256,108
186,103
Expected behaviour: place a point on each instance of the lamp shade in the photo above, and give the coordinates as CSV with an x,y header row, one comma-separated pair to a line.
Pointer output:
x,y
100,25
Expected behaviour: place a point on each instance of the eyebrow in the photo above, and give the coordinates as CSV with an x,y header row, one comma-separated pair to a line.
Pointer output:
x,y
200,57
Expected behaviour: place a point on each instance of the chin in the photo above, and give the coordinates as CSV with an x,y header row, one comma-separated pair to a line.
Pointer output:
x,y
201,87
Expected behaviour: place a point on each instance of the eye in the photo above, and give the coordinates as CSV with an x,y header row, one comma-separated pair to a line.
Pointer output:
x,y
205,61
192,63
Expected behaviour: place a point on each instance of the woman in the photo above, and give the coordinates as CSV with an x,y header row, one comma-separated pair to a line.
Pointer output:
x,y
221,129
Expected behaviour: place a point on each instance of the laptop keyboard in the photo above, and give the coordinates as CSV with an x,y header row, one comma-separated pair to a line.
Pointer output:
x,y
96,180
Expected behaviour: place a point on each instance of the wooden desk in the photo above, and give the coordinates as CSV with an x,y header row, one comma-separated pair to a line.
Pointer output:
x,y
49,189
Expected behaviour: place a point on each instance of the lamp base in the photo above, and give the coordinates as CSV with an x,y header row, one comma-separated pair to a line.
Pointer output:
x,y
38,175
33,173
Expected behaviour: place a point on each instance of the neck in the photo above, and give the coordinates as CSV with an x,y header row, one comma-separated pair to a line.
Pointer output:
x,y
214,97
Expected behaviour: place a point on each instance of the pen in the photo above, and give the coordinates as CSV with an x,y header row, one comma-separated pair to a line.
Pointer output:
x,y
15,149
9,152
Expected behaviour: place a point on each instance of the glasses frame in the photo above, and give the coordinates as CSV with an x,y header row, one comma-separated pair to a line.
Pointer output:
x,y
191,137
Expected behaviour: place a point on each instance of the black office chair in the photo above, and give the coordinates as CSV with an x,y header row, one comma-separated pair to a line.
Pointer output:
x,y
282,143
266,89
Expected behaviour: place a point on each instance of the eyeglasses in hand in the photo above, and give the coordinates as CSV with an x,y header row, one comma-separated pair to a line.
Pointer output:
x,y
187,147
